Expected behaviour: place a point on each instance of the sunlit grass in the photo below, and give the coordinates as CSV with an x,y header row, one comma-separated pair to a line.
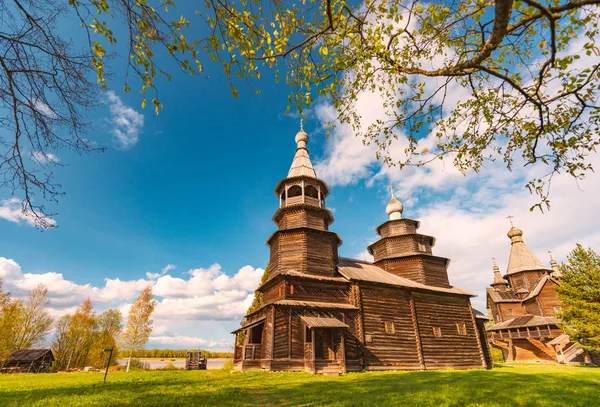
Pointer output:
x,y
509,385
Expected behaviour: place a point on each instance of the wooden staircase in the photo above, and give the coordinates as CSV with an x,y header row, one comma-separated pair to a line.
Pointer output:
x,y
548,351
328,367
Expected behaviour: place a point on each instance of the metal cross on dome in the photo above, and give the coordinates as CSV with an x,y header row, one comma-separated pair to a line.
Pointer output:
x,y
510,218
301,124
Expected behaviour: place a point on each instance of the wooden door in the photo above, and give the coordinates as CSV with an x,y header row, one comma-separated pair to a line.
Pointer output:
x,y
318,338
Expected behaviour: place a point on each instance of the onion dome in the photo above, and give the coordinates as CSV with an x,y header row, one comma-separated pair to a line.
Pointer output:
x,y
301,139
394,207
514,234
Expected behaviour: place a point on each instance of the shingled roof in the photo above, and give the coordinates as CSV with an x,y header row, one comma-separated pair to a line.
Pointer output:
x,y
354,269
521,257
29,355
502,296
524,321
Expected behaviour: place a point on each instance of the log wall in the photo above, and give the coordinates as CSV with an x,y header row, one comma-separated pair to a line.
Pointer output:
x,y
386,349
451,349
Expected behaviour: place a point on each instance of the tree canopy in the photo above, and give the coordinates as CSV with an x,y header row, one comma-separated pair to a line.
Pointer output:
x,y
468,79
580,293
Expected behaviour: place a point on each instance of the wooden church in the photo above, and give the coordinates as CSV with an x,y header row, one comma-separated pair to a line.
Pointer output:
x,y
523,304
326,314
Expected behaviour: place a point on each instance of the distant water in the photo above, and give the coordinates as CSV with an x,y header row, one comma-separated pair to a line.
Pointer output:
x,y
157,364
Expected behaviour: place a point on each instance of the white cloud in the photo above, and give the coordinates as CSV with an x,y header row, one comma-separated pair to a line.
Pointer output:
x,y
165,270
207,294
127,122
12,211
44,158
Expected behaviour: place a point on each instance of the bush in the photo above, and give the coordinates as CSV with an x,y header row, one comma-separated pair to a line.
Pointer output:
x,y
496,354
228,365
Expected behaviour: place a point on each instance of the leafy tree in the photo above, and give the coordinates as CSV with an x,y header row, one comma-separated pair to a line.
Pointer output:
x,y
139,324
74,337
35,322
110,324
579,291
514,66
24,323
10,318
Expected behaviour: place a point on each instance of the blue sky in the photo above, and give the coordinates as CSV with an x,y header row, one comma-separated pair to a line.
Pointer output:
x,y
195,189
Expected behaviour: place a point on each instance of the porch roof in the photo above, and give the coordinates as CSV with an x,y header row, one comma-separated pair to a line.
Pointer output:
x,y
250,325
323,322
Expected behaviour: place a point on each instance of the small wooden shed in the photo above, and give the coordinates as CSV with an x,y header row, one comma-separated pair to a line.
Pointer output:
x,y
29,361
195,360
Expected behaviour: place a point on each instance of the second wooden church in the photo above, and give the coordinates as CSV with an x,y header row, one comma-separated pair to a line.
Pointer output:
x,y
326,314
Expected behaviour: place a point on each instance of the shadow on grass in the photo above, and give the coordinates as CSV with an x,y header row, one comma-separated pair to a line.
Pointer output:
x,y
433,388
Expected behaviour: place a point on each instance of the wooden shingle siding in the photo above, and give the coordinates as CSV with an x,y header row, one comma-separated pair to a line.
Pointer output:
x,y
302,218
450,349
398,349
395,228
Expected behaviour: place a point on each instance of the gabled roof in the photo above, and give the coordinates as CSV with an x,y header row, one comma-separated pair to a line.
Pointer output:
x,y
538,287
29,355
521,257
502,296
524,321
360,270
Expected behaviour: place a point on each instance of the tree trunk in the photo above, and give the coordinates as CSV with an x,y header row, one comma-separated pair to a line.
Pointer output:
x,y
129,361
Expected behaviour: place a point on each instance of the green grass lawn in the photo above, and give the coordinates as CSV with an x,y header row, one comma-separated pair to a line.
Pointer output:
x,y
509,385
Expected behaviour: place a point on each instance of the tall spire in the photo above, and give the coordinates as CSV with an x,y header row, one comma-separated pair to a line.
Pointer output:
x,y
394,207
521,257
301,165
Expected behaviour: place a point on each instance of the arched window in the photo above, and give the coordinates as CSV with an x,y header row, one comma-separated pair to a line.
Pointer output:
x,y
296,190
311,191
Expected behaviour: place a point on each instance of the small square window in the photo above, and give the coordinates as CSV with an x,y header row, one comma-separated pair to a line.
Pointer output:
x,y
389,327
369,338
437,331
509,311
461,327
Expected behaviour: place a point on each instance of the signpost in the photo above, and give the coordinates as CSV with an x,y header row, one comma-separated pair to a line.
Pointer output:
x,y
108,363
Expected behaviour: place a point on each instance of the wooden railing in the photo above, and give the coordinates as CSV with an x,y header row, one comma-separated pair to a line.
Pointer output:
x,y
252,352
516,333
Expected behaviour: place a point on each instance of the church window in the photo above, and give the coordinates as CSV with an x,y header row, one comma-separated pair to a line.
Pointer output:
x,y
296,190
292,289
422,247
461,327
389,327
437,331
509,311
311,191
